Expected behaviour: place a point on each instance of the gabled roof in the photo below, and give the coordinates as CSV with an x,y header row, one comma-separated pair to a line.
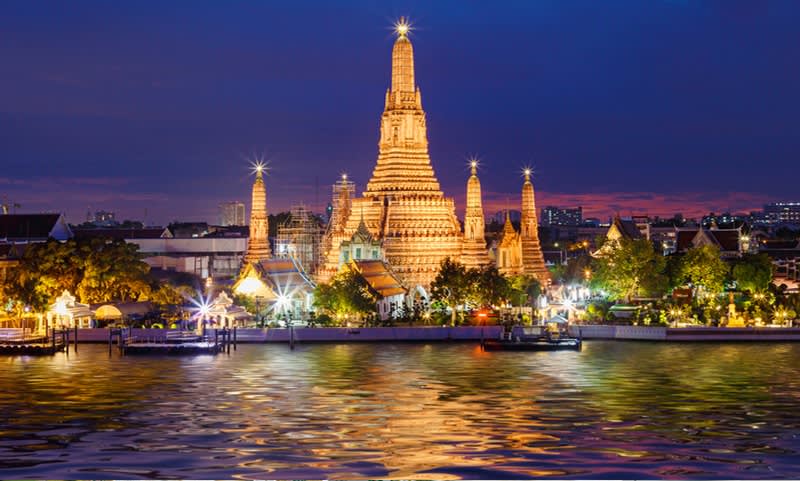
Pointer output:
x,y
380,277
726,239
28,226
626,228
683,239
283,274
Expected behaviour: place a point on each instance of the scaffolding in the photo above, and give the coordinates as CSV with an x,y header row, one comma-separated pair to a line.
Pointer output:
x,y
299,237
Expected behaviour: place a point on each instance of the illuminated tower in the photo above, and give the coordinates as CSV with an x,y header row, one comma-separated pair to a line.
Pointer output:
x,y
403,204
258,244
532,258
473,251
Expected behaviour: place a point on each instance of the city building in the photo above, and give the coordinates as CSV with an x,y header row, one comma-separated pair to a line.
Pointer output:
x,y
232,213
788,212
556,216
217,254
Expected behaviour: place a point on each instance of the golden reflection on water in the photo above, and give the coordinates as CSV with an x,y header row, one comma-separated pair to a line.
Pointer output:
x,y
406,411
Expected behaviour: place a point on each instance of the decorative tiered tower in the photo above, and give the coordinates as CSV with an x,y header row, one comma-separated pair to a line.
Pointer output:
x,y
473,251
403,204
258,244
532,258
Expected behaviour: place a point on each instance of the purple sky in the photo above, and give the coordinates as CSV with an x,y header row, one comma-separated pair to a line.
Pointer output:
x,y
656,106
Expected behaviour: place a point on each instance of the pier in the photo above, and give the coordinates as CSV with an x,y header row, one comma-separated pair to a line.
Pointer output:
x,y
23,342
171,342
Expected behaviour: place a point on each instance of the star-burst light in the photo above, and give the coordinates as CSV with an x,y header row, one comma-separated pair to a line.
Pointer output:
x,y
402,27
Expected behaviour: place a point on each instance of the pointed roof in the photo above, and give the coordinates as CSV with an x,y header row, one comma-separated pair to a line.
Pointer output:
x,y
380,277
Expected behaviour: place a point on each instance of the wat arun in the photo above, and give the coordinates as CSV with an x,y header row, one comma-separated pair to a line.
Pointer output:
x,y
403,205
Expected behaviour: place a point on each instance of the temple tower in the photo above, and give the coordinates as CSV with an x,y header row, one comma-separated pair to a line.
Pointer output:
x,y
403,204
532,258
473,251
258,244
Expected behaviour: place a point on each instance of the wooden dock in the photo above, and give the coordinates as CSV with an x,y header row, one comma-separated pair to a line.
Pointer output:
x,y
20,342
173,343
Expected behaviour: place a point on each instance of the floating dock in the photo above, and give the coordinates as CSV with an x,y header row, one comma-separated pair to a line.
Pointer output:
x,y
19,342
173,343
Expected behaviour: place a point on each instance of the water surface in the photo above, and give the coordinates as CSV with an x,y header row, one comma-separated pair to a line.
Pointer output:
x,y
614,410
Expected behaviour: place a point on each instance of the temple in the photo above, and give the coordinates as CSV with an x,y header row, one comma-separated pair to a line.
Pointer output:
x,y
473,250
403,205
521,252
532,257
258,243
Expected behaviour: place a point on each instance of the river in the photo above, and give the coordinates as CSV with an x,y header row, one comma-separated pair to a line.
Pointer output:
x,y
446,411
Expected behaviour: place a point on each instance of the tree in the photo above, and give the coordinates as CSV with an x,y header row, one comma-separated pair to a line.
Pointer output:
x,y
452,286
95,270
347,293
704,268
113,271
753,272
524,290
630,269
489,286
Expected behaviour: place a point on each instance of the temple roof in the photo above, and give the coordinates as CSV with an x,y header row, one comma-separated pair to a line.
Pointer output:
x,y
380,277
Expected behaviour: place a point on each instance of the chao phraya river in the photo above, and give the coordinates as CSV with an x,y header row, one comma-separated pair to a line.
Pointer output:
x,y
614,410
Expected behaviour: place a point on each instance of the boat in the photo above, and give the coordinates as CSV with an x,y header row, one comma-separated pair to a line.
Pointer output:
x,y
552,336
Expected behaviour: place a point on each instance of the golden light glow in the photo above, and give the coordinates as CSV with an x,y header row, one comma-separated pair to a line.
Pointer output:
x,y
248,286
402,27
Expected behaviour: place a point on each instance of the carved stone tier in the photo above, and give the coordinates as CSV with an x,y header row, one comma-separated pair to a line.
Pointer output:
x,y
403,204
473,252
532,257
258,243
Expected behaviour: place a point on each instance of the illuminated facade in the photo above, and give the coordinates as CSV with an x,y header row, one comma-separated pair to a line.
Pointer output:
x,y
473,251
521,252
403,205
532,257
258,243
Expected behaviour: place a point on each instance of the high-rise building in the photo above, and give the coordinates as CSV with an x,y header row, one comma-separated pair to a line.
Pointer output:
x,y
552,215
783,211
258,243
403,205
232,213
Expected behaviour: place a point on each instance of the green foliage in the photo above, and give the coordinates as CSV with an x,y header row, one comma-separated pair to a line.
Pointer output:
x,y
703,267
490,288
346,294
753,272
94,270
631,268
452,286
524,290
574,271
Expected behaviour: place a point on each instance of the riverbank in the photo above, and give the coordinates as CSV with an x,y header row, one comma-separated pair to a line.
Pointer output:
x,y
475,333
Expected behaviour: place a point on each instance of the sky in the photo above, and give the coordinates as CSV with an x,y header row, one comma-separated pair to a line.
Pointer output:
x,y
153,109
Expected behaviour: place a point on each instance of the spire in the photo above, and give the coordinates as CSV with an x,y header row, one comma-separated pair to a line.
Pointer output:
x,y
508,227
532,258
473,252
402,59
258,243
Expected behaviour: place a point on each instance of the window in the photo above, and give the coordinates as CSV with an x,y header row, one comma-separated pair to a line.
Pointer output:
x,y
358,253
374,253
